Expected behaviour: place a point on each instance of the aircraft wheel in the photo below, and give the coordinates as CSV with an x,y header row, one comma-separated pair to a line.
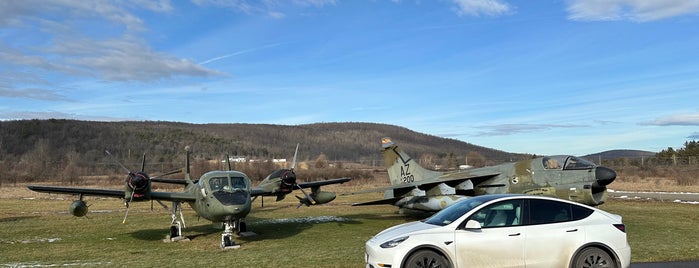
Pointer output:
x,y
227,242
593,257
174,232
243,227
426,259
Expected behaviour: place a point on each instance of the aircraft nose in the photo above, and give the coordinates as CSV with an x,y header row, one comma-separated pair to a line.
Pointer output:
x,y
604,175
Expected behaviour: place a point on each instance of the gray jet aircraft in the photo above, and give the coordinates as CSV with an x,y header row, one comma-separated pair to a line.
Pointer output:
x,y
416,188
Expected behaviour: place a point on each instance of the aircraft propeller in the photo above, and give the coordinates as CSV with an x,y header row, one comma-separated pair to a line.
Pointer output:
x,y
138,182
292,175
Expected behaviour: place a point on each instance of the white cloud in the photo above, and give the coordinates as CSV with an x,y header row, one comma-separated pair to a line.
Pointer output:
x,y
127,59
15,12
60,45
634,10
482,7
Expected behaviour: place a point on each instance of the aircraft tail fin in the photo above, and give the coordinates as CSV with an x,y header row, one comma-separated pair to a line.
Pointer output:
x,y
401,167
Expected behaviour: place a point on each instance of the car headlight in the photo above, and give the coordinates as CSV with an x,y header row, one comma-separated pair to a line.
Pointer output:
x,y
394,242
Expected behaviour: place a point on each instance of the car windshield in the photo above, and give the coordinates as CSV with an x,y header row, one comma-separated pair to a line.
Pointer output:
x,y
455,211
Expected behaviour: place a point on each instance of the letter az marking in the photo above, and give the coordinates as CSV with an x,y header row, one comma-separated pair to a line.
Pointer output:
x,y
405,175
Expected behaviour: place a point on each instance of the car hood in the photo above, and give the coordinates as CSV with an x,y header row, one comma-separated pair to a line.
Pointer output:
x,y
401,230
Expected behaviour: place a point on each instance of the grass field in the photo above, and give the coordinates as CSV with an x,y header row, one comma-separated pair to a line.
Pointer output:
x,y
40,232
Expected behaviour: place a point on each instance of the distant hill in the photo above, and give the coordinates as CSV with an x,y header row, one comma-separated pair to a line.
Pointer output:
x,y
616,154
165,141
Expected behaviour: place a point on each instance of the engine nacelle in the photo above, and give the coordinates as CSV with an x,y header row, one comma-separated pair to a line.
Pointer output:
x,y
320,197
78,208
137,186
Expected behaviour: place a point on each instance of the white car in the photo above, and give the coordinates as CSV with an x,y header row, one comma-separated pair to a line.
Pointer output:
x,y
505,230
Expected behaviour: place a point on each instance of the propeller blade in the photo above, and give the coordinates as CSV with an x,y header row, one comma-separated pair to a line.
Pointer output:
x,y
117,162
167,173
293,162
127,207
313,202
143,163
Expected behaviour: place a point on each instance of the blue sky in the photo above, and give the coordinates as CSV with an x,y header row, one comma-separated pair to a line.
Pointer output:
x,y
544,77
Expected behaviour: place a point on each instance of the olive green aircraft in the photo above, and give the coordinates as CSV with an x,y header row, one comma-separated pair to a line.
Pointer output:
x,y
221,196
416,188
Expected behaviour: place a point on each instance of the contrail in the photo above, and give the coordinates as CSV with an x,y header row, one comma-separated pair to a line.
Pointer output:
x,y
238,53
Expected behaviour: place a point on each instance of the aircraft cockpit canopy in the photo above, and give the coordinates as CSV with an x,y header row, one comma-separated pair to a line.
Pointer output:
x,y
229,190
566,162
228,184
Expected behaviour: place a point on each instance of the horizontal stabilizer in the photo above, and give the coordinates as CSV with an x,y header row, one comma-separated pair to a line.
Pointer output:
x,y
389,201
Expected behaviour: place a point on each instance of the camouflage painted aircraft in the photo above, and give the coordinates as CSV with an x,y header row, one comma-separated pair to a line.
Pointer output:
x,y
219,196
416,188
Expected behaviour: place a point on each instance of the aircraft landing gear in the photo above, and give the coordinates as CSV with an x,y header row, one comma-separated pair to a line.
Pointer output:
x,y
176,226
231,226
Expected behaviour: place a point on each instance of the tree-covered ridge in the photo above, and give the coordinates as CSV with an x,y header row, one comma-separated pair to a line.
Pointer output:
x,y
66,150
166,140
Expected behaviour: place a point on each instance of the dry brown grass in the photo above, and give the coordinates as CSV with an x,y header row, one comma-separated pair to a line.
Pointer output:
x,y
651,184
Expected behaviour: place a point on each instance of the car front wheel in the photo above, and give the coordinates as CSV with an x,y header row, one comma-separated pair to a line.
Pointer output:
x,y
426,259
593,258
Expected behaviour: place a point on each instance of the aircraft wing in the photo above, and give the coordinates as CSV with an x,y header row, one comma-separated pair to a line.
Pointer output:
x,y
321,183
428,184
173,196
257,191
71,190
166,196
172,181
402,189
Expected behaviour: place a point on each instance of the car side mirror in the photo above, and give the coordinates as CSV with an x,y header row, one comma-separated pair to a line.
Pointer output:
x,y
472,225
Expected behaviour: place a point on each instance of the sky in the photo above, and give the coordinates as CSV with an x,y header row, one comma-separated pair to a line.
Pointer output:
x,y
541,77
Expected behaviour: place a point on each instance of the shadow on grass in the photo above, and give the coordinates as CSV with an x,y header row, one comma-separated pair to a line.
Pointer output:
x,y
13,219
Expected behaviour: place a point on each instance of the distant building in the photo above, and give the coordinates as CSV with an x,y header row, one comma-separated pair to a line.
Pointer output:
x,y
236,159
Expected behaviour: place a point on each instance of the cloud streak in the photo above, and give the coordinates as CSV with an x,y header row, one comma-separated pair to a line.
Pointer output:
x,y
675,120
31,93
481,7
237,53
22,115
511,129
634,10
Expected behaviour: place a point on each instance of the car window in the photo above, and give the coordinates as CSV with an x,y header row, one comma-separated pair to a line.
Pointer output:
x,y
501,214
451,213
580,212
549,211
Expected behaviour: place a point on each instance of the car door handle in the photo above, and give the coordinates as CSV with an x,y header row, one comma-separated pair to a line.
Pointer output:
x,y
572,231
517,234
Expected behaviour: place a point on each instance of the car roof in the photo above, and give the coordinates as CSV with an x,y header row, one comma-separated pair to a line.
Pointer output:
x,y
490,198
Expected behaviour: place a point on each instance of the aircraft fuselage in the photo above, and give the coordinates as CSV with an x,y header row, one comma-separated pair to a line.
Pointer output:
x,y
222,196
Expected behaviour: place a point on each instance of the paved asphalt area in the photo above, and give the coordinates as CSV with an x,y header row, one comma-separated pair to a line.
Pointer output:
x,y
683,264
